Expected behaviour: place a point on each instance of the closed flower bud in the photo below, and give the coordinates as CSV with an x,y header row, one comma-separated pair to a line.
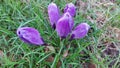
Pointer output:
x,y
30,35
70,8
64,25
53,13
80,31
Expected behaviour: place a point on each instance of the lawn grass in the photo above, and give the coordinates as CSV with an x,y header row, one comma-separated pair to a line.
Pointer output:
x,y
17,54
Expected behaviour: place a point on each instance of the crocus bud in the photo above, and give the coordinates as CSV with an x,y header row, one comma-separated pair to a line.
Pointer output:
x,y
53,13
70,8
80,31
30,35
64,25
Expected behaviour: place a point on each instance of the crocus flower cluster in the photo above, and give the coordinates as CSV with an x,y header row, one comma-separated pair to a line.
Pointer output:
x,y
64,24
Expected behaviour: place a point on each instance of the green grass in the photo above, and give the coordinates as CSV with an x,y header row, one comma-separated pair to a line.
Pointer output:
x,y
17,54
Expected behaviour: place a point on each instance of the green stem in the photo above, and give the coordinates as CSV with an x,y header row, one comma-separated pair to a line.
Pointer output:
x,y
57,56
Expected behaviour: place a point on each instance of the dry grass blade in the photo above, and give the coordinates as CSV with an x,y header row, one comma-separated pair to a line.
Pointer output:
x,y
89,65
1,53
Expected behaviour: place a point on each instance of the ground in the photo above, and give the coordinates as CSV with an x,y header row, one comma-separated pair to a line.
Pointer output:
x,y
99,49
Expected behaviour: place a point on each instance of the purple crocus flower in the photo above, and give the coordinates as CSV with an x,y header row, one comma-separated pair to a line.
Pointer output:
x,y
64,25
53,13
70,8
80,31
30,35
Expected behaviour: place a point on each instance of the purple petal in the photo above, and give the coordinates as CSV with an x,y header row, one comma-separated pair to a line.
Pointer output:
x,y
80,31
70,8
53,13
30,35
71,21
64,25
